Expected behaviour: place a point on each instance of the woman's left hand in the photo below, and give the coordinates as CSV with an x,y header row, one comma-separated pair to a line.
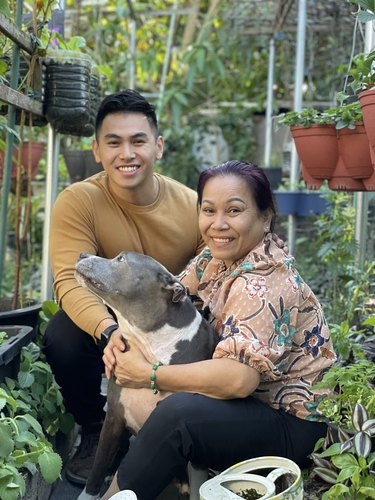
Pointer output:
x,y
132,369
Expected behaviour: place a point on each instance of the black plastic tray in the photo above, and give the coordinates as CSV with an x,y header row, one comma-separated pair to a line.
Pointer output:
x,y
18,336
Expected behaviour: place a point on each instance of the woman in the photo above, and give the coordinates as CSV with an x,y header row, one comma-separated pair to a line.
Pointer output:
x,y
254,397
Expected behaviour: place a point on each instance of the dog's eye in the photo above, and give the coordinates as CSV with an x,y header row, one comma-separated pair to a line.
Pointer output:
x,y
121,258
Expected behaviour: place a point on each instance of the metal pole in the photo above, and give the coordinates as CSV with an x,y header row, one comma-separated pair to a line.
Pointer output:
x,y
172,25
268,138
298,81
361,214
9,146
53,148
133,32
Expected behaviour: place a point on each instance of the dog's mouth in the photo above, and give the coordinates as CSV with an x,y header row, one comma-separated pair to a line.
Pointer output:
x,y
88,282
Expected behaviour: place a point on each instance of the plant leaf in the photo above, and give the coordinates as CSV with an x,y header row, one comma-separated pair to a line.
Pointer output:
x,y
362,444
50,466
328,475
359,416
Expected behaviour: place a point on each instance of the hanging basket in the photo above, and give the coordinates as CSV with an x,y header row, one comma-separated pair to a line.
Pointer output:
x,y
317,149
67,93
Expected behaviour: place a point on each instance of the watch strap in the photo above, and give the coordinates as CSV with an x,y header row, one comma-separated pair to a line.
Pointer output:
x,y
107,332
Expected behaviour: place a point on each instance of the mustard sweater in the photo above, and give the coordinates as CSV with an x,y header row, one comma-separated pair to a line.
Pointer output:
x,y
87,217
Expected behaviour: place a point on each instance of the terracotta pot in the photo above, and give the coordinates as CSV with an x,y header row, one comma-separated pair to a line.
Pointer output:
x,y
34,148
367,102
342,181
354,150
317,148
370,182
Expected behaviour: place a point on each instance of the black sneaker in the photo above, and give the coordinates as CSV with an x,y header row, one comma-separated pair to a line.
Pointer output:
x,y
79,466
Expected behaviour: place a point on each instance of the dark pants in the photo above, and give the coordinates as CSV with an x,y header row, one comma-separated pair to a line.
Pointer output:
x,y
76,362
211,433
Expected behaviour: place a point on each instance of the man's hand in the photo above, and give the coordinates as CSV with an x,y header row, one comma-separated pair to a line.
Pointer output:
x,y
116,341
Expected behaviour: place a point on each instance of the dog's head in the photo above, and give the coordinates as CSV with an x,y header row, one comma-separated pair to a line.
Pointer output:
x,y
129,282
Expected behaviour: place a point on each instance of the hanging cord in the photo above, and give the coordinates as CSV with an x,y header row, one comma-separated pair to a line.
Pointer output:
x,y
356,25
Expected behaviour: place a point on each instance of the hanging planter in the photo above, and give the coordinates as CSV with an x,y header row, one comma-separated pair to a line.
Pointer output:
x,y
355,151
30,150
67,93
317,148
367,102
80,164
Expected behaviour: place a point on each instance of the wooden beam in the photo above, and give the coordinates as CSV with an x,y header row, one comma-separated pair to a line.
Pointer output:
x,y
20,101
11,31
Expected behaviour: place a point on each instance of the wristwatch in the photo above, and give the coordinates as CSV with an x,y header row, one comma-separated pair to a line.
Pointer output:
x,y
106,334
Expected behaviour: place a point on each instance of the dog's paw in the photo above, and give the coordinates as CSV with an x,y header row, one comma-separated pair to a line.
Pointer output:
x,y
86,496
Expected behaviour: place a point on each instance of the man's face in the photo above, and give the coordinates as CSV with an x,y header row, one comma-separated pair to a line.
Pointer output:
x,y
128,149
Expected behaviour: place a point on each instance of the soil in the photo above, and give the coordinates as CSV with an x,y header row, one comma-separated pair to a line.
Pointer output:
x,y
249,494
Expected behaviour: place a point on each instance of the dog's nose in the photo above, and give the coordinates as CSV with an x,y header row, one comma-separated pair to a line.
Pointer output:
x,y
83,256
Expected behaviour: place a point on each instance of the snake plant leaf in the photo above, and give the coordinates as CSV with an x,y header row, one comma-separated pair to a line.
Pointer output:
x,y
362,444
359,416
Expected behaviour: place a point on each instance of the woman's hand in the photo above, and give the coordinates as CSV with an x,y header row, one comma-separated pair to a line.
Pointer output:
x,y
132,369
116,341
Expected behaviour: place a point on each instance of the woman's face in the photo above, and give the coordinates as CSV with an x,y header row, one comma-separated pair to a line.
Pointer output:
x,y
229,220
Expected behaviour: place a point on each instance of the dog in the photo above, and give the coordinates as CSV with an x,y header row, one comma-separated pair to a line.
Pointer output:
x,y
153,309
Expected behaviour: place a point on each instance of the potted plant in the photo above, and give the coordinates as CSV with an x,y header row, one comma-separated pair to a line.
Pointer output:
x,y
32,412
362,83
315,137
345,463
354,162
72,88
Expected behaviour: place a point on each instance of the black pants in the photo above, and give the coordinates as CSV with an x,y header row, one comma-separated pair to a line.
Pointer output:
x,y
211,433
76,362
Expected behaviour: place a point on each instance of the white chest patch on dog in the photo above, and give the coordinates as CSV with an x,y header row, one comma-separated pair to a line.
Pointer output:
x,y
160,344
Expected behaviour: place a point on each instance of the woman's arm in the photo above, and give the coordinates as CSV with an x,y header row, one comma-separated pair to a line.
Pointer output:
x,y
217,378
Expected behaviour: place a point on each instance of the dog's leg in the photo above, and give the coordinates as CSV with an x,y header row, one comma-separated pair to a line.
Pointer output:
x,y
113,444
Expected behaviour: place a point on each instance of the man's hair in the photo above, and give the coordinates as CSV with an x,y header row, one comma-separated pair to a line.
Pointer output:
x,y
126,101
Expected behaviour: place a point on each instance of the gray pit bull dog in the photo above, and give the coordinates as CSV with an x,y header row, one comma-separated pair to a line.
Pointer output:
x,y
152,307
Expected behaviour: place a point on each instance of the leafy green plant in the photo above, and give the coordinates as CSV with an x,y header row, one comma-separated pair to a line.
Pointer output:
x,y
362,72
350,384
366,10
346,114
345,461
3,337
31,412
305,118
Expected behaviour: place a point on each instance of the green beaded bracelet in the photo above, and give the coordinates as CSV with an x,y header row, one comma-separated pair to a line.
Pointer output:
x,y
153,385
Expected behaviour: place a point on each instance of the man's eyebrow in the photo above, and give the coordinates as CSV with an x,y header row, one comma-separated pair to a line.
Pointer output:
x,y
137,135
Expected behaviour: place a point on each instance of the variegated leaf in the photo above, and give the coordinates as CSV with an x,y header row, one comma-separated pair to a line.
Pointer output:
x,y
362,444
359,416
347,445
343,436
321,462
328,475
369,427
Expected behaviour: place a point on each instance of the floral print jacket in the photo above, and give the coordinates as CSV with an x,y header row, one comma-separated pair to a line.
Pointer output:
x,y
267,317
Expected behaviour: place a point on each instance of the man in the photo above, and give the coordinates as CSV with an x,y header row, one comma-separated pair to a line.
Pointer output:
x,y
126,207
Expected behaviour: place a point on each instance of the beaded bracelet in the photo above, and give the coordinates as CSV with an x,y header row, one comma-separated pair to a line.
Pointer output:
x,y
153,385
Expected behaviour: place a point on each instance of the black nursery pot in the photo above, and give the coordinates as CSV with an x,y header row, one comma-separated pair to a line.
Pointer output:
x,y
67,93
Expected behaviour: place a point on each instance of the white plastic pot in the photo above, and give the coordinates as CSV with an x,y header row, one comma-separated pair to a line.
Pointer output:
x,y
285,478
226,487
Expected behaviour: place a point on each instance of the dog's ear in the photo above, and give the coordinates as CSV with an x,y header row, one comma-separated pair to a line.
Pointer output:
x,y
179,291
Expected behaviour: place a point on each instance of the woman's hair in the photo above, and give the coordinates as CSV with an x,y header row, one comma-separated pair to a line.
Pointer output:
x,y
255,178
